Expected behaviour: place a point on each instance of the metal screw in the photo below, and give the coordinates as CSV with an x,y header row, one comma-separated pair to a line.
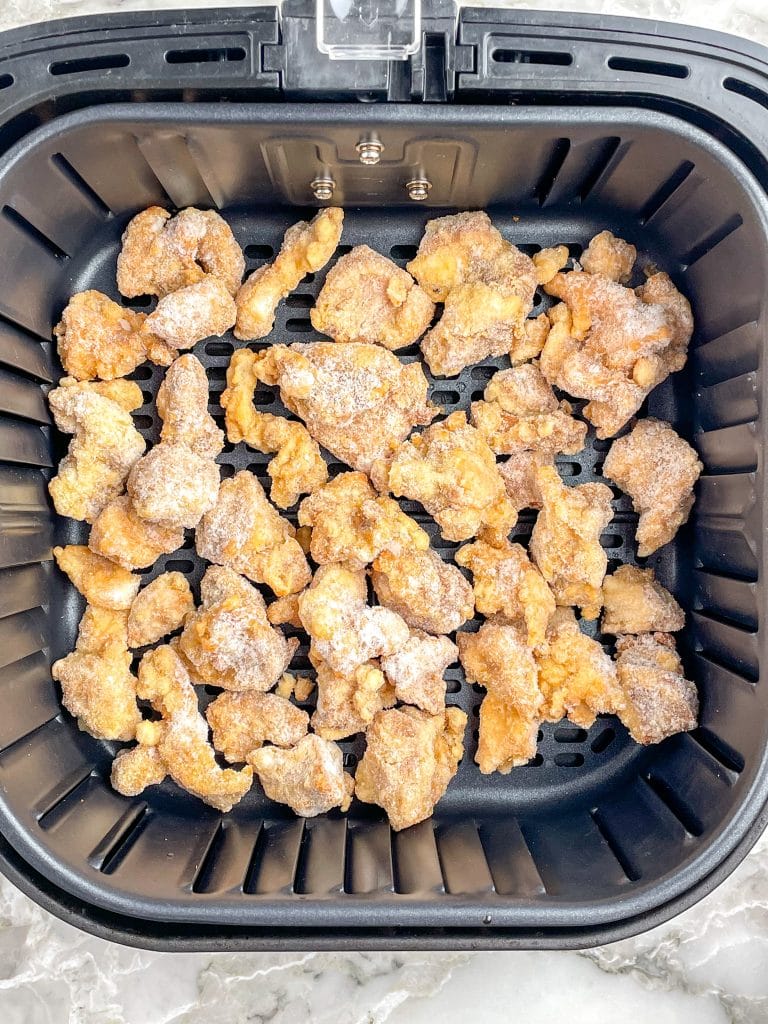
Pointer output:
x,y
418,189
322,188
369,151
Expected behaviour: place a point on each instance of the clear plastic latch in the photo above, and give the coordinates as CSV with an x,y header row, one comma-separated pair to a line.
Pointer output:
x,y
368,29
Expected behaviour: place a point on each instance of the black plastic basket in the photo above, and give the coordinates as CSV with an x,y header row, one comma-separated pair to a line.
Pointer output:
x,y
560,126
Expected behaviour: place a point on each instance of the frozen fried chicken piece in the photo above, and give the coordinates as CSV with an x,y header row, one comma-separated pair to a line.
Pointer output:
x,y
358,401
161,253
101,582
202,310
97,338
229,641
368,298
352,524
173,486
182,402
306,248
658,470
99,690
530,341
609,256
285,611
243,722
180,739
635,602
659,700
124,537
565,543
576,676
309,778
159,609
548,262
409,760
246,533
521,413
345,632
519,475
427,592
346,703
100,627
298,467
104,448
416,670
452,472
506,583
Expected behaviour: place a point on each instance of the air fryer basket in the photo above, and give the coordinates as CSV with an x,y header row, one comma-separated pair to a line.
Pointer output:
x,y
597,837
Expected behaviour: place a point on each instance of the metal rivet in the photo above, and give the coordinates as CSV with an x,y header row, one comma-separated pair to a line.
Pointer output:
x,y
418,189
322,188
369,151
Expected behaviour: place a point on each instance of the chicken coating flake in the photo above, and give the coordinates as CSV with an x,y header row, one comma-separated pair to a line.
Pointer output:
x,y
306,248
409,761
636,603
173,486
298,467
123,537
498,658
519,475
452,472
352,524
199,311
576,676
99,690
246,533
104,448
658,470
182,404
243,722
180,739
229,641
368,298
161,254
610,256
159,609
659,700
358,401
309,778
100,627
427,592
346,704
97,338
416,670
507,583
345,632
565,542
101,582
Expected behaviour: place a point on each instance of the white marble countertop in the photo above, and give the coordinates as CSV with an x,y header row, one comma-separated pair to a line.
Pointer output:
x,y
710,965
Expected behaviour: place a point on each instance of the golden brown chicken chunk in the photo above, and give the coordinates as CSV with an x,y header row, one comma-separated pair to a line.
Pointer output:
x,y
101,582
104,448
530,341
182,403
347,703
249,535
100,627
519,475
229,641
659,700
410,759
285,611
97,338
298,467
99,690
161,253
451,250
344,630
427,592
416,670
610,256
180,740
173,486
306,248
352,524
123,537
159,609
576,676
368,298
548,262
243,722
506,583
358,401
565,543
658,470
309,778
202,310
635,602
452,472
498,658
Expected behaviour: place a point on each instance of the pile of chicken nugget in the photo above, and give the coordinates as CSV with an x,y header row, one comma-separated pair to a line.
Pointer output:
x,y
379,661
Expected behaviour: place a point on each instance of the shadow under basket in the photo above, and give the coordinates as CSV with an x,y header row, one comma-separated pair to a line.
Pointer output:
x,y
597,837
